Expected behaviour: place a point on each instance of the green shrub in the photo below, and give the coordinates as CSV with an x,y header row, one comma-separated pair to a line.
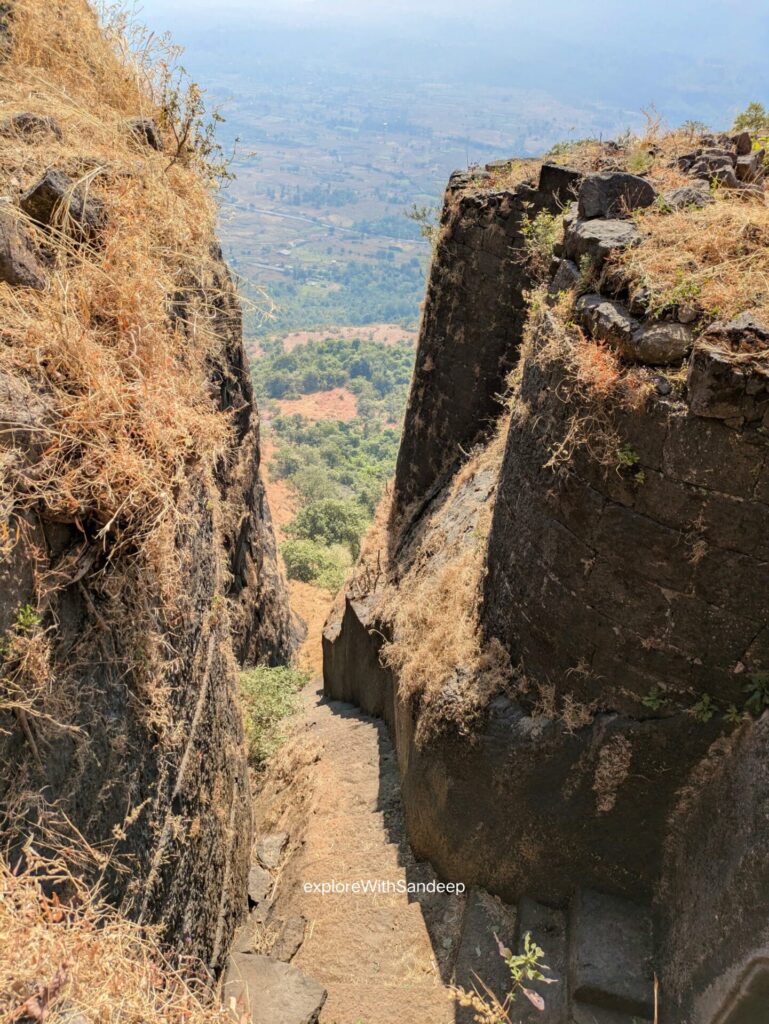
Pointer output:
x,y
269,695
331,521
754,119
312,562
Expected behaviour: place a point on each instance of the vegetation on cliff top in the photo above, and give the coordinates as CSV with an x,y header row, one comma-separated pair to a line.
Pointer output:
x,y
118,385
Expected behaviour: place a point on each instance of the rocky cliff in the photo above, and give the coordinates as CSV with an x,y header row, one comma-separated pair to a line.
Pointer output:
x,y
567,637
137,560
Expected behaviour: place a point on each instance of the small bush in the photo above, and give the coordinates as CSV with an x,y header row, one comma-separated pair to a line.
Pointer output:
x,y
312,562
269,696
331,521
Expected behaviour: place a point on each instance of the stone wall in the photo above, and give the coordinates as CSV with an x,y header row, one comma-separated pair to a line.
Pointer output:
x,y
151,772
472,323
713,898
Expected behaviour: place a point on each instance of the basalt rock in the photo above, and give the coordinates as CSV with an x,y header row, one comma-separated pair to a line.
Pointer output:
x,y
31,127
19,262
472,323
55,201
729,374
688,196
598,239
614,194
171,801
145,131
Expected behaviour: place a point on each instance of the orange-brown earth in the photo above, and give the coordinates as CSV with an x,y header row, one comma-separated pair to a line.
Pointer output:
x,y
336,404
384,334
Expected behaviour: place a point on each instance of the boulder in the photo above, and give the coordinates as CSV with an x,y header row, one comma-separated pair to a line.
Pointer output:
x,y
743,144
653,344
727,386
750,168
559,182
566,277
597,239
145,131
688,196
31,126
56,194
269,849
614,194
606,320
19,265
660,344
259,884
271,992
290,938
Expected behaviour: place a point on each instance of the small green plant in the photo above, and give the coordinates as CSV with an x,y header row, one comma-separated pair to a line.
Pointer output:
x,y
628,461
757,690
427,220
705,709
733,715
587,274
540,234
655,699
525,967
27,619
269,696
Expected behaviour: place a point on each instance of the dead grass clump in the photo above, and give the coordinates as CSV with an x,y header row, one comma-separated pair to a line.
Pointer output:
x,y
652,152
437,650
66,956
714,259
121,343
591,381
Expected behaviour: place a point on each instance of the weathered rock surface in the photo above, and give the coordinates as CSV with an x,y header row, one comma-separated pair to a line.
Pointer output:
x,y
269,849
597,239
272,992
145,130
729,373
471,325
259,884
115,772
31,127
688,196
19,262
56,202
614,194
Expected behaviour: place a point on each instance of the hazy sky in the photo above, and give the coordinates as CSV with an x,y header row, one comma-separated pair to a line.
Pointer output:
x,y
694,59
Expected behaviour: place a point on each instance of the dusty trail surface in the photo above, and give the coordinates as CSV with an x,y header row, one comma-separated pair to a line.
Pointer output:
x,y
334,789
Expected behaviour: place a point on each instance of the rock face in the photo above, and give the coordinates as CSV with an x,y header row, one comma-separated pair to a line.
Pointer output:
x,y
629,586
169,794
472,323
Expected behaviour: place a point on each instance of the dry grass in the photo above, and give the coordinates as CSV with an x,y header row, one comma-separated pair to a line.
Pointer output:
x,y
437,649
592,381
65,957
715,259
653,153
124,385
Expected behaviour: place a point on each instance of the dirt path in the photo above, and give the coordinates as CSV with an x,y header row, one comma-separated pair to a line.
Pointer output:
x,y
334,790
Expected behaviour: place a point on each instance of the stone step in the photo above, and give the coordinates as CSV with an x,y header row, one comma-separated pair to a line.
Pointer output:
x,y
583,1014
548,928
271,992
610,965
477,958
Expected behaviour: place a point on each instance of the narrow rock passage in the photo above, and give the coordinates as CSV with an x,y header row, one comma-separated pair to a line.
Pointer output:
x,y
334,789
